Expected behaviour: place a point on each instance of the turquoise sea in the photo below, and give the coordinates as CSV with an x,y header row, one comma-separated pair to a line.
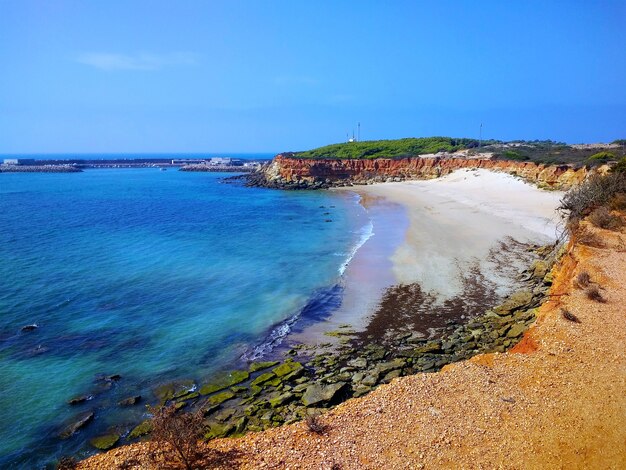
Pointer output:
x,y
152,275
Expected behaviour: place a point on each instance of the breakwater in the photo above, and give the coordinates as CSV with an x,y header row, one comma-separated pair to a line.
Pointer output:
x,y
39,169
288,172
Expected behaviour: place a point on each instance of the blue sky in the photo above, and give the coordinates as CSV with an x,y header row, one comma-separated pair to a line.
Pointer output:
x,y
235,76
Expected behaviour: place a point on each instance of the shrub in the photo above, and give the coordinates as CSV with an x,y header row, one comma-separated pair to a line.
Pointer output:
x,y
67,463
596,191
582,280
584,236
569,316
618,203
602,218
176,436
601,157
314,425
620,167
593,293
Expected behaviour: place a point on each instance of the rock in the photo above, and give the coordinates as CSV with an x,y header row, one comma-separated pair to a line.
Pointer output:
x,y
77,423
141,429
174,390
287,368
431,347
358,363
218,430
105,442
370,380
240,425
514,302
130,401
255,366
80,399
280,400
221,397
516,330
224,381
321,393
263,378
391,375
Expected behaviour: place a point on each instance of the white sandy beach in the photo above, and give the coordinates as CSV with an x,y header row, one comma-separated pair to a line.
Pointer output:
x,y
434,232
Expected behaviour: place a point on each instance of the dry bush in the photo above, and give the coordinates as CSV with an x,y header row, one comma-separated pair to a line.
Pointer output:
x,y
569,315
593,293
177,438
314,425
67,463
582,280
602,217
596,191
618,203
585,236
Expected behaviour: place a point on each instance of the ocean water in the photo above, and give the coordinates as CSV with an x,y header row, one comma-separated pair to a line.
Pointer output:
x,y
155,276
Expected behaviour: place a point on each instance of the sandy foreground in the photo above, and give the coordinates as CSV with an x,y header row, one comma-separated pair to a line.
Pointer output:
x,y
557,400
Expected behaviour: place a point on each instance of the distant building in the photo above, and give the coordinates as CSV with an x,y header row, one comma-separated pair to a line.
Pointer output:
x,y
19,161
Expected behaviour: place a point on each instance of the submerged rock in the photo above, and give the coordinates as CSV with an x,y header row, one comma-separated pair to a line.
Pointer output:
x,y
130,401
174,390
77,423
79,400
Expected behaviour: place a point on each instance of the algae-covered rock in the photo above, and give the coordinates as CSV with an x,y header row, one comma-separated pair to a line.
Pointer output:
x,y
221,397
173,390
224,381
516,330
318,394
514,301
141,429
281,399
263,378
255,366
286,368
77,423
105,442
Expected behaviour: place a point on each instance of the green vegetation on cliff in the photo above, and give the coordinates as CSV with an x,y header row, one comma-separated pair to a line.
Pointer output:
x,y
389,148
537,151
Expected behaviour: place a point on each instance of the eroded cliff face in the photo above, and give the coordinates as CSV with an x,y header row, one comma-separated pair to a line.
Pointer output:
x,y
286,172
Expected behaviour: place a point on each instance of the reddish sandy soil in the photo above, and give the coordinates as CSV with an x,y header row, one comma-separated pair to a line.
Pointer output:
x,y
557,400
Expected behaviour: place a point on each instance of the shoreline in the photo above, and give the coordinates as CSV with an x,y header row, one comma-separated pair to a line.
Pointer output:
x,y
445,236
542,404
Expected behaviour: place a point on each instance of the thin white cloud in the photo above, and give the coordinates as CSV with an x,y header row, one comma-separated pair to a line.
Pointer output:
x,y
112,61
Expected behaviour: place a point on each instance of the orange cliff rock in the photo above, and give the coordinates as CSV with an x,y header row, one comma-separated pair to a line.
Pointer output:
x,y
291,173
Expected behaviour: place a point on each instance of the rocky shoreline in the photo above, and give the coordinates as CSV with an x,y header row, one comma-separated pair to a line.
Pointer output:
x,y
272,393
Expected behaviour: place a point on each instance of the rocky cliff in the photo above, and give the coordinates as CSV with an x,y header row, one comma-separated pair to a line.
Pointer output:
x,y
286,172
